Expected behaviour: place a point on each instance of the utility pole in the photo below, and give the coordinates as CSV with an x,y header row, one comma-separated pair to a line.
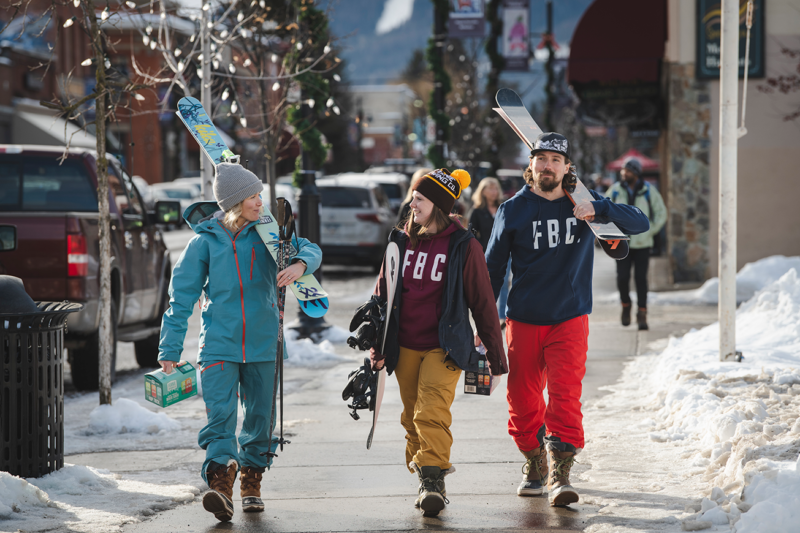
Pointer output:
x,y
206,172
728,152
549,89
439,36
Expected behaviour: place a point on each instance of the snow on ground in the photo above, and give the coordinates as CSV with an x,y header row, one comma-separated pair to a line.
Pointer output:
x,y
84,499
715,444
750,279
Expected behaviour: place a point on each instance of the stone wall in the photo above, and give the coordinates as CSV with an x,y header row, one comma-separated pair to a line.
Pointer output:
x,y
688,148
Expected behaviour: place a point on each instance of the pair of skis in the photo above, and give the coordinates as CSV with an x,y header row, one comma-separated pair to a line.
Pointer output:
x,y
310,295
513,111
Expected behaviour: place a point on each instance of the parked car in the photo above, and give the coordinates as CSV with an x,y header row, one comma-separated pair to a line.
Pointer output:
x,y
355,220
394,185
144,190
186,194
195,182
52,210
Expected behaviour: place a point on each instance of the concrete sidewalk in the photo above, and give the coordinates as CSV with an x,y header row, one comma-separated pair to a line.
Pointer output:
x,y
327,480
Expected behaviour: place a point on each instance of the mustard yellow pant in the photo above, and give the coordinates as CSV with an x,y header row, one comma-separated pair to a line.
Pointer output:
x,y
427,388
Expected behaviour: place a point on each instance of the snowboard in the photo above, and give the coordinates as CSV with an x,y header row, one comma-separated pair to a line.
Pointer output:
x,y
312,298
513,111
391,271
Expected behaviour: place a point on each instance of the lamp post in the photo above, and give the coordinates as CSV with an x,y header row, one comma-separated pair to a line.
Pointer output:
x,y
309,228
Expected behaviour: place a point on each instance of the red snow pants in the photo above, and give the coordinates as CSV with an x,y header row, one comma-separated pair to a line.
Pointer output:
x,y
552,356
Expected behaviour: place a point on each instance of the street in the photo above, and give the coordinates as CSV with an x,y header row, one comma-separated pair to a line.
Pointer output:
x,y
326,480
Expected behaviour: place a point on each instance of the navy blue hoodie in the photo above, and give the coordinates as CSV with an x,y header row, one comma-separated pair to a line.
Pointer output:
x,y
552,254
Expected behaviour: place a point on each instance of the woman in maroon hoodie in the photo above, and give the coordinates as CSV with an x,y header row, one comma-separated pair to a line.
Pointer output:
x,y
429,339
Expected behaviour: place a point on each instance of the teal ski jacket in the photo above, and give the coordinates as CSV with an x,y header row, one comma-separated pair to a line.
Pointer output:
x,y
237,277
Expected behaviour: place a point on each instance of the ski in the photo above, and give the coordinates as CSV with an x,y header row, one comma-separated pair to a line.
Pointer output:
x,y
286,226
513,111
390,270
312,298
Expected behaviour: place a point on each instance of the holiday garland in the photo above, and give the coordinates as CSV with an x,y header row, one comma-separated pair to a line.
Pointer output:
x,y
440,76
314,86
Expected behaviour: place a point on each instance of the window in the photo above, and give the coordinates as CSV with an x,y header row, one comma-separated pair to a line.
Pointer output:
x,y
122,191
40,184
392,190
345,197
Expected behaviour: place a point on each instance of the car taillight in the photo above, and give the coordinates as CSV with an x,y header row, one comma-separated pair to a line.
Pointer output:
x,y
77,256
369,217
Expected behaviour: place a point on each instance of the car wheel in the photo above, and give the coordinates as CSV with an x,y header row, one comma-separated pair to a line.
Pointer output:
x,y
85,362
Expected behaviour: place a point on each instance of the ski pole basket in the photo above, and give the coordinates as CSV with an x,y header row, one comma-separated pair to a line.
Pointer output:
x,y
32,389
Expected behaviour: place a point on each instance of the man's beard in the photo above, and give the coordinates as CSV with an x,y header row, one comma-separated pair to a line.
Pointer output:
x,y
546,181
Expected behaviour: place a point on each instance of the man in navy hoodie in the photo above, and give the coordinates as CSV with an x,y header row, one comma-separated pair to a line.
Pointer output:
x,y
551,248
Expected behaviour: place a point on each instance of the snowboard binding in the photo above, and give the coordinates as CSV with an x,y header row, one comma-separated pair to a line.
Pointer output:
x,y
370,321
361,387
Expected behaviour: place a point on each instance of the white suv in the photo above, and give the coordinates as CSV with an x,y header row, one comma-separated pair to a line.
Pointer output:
x,y
394,184
355,220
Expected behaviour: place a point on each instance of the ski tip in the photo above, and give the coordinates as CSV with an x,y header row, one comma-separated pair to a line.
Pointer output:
x,y
506,96
315,308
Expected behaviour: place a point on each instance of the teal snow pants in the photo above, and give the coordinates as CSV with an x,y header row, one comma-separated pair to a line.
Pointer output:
x,y
224,384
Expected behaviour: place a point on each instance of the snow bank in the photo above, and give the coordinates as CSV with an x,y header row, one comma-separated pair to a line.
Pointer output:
x,y
127,416
79,498
305,352
17,494
737,423
750,279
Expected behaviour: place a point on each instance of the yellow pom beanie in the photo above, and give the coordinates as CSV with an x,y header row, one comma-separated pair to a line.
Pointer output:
x,y
443,188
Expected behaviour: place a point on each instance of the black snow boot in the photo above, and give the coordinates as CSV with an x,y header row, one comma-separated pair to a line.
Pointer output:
x,y
626,314
641,318
432,493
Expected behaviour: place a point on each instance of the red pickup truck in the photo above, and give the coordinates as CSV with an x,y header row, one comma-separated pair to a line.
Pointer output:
x,y
49,239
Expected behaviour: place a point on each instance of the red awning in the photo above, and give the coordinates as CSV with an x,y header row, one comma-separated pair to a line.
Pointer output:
x,y
648,165
619,41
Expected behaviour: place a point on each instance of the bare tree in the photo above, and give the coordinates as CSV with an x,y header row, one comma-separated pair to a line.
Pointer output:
x,y
110,92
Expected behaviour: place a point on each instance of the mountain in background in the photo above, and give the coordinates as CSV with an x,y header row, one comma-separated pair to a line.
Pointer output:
x,y
379,59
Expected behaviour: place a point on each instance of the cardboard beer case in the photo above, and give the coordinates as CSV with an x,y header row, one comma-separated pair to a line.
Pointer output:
x,y
479,382
166,389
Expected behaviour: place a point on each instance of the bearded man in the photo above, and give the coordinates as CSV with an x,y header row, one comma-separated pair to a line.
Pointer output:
x,y
551,247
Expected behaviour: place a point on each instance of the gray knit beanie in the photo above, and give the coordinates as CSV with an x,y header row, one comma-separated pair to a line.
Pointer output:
x,y
234,184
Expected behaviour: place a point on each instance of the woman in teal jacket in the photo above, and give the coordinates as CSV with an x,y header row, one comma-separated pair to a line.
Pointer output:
x,y
228,265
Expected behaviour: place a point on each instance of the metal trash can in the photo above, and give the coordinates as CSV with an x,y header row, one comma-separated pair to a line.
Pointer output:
x,y
32,389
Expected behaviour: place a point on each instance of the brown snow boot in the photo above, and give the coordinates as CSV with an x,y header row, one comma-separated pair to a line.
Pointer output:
x,y
534,473
250,481
560,491
219,500
626,314
641,318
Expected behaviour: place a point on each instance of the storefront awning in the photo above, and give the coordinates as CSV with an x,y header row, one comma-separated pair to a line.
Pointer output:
x,y
32,127
619,41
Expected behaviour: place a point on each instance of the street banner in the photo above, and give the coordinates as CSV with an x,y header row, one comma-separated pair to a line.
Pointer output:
x,y
516,31
466,19
709,19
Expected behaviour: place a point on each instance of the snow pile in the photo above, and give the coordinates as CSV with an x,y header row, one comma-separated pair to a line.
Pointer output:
x,y
737,424
750,279
127,416
305,352
17,494
79,498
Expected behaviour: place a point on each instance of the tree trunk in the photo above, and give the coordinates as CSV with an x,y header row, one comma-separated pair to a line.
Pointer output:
x,y
269,153
106,327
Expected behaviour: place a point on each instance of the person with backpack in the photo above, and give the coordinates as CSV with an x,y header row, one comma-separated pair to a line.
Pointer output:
x,y
228,265
429,339
631,189
551,247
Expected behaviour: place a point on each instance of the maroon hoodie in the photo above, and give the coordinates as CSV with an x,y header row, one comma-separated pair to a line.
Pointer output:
x,y
423,270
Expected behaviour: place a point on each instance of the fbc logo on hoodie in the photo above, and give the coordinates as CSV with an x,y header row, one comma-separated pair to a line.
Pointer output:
x,y
423,274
